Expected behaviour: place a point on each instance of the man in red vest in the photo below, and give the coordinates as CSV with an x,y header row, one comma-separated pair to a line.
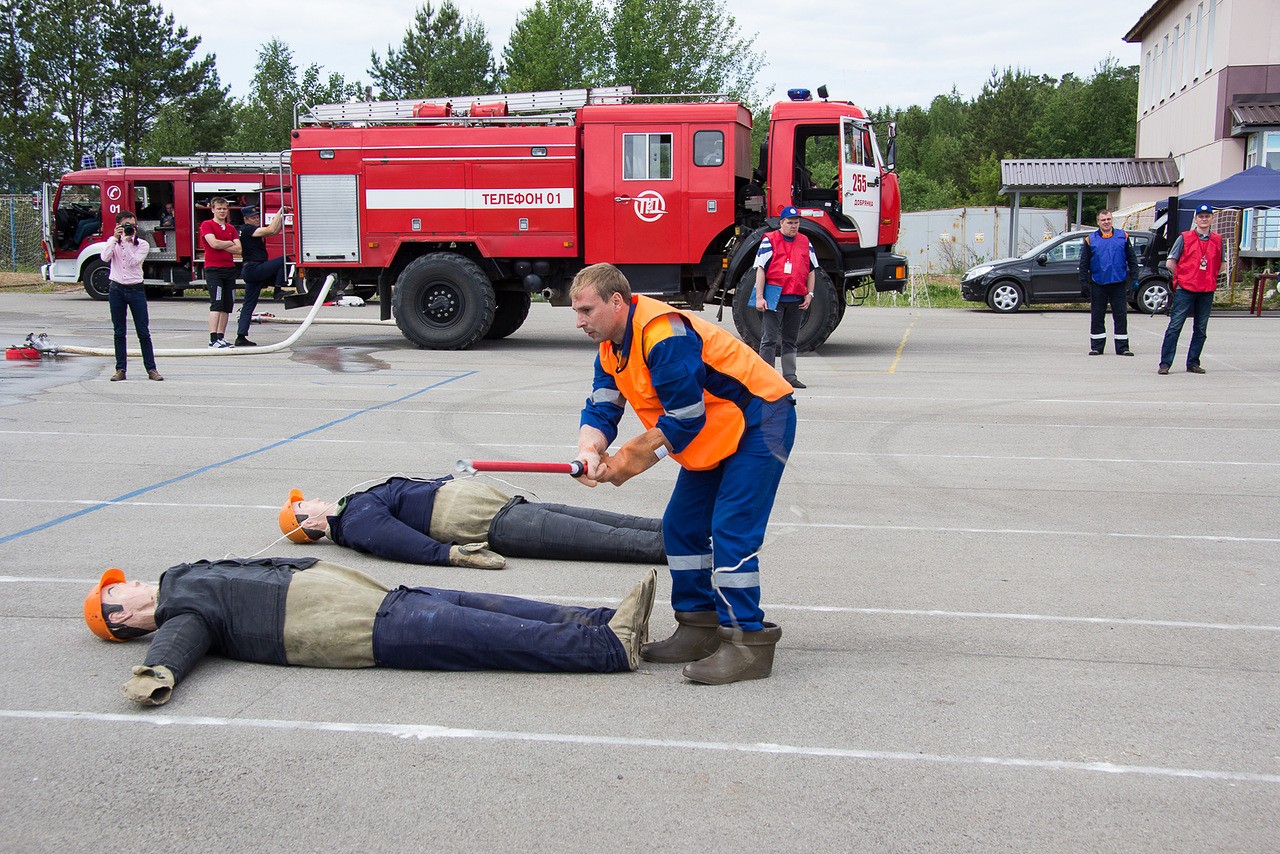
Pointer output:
x,y
1195,261
785,265
712,404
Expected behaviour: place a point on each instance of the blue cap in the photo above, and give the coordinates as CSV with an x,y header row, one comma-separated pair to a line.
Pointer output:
x,y
789,212
248,211
1204,209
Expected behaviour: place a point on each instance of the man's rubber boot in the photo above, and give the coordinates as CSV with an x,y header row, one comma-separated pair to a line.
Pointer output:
x,y
630,623
741,656
695,637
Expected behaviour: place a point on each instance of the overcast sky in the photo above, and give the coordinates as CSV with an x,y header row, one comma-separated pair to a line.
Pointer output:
x,y
897,53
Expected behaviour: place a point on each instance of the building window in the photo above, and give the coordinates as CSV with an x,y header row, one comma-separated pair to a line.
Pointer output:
x,y
1146,82
1208,35
1195,59
646,157
1266,149
1188,53
1174,62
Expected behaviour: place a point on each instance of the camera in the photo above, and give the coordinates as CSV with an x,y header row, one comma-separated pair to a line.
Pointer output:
x,y
130,229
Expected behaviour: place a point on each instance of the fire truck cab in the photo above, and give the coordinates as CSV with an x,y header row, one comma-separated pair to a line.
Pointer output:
x,y
170,203
459,212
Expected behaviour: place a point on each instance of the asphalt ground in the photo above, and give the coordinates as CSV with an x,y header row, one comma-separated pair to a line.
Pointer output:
x,y
1030,601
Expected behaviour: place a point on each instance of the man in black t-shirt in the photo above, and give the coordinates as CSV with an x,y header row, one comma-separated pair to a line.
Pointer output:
x,y
257,269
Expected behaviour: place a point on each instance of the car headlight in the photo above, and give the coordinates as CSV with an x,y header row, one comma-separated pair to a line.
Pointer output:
x,y
980,270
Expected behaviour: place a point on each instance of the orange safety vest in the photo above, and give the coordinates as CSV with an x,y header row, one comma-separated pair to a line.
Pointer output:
x,y
721,352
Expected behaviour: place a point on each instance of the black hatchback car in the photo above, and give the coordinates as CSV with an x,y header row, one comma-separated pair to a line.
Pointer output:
x,y
1051,273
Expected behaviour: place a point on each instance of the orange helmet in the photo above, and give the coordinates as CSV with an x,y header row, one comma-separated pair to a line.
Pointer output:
x,y
290,525
93,605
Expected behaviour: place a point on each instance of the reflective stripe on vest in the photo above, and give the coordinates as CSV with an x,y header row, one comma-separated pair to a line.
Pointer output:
x,y
722,353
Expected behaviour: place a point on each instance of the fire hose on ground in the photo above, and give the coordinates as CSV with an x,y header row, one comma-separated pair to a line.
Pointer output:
x,y
206,351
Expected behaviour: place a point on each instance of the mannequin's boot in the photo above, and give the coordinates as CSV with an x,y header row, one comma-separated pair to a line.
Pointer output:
x,y
695,637
630,623
741,656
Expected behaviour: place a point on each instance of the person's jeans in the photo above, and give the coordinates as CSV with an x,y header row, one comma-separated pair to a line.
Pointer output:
x,y
1100,296
256,276
1198,304
121,298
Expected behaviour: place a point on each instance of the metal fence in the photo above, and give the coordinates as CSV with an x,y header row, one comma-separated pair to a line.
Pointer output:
x,y
20,232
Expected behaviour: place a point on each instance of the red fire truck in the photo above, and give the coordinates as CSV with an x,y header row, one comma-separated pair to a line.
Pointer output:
x,y
457,210
170,202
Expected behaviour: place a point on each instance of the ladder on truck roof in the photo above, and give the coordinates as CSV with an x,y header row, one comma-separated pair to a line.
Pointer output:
x,y
520,107
248,161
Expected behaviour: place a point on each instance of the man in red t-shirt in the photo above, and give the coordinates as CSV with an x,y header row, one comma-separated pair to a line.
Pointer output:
x,y
221,240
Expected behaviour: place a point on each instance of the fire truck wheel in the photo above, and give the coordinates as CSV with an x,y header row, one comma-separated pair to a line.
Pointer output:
x,y
96,278
443,301
513,308
819,321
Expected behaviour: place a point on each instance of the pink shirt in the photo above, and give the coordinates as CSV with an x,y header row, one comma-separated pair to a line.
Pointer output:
x,y
126,260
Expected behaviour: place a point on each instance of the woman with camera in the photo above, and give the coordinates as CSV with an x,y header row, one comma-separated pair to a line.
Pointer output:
x,y
126,251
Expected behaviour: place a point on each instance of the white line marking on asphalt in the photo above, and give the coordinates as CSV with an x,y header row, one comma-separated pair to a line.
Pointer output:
x,y
845,526
427,732
838,609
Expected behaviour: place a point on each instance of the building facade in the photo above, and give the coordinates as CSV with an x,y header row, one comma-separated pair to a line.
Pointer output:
x,y
1208,90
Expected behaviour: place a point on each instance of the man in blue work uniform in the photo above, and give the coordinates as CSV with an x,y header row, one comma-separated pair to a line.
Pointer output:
x,y
729,419
1108,263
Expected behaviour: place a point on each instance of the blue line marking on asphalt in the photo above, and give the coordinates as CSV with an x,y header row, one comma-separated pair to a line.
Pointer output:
x,y
153,487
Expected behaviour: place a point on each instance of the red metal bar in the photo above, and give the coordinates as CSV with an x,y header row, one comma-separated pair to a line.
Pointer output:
x,y
468,466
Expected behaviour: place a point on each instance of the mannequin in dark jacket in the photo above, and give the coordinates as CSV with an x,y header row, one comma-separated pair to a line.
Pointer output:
x,y
465,522
305,612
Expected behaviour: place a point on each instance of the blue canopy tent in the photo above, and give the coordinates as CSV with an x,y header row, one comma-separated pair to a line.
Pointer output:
x,y
1258,187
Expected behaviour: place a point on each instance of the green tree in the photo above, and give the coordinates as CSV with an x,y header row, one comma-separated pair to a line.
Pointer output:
x,y
673,46
571,31
28,131
265,117
442,54
199,121
67,65
150,62
1004,114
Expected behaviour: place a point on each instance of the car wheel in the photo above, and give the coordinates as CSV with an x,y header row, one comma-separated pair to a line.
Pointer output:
x,y
97,279
1005,297
1153,297
816,326
443,301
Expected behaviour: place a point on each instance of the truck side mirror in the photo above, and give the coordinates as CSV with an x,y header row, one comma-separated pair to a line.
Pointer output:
x,y
892,154
1042,260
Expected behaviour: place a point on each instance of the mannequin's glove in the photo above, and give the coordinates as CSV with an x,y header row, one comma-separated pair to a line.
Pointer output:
x,y
150,686
640,454
476,556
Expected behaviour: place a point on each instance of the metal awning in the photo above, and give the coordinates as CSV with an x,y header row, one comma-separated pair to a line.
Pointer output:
x,y
1080,176
1252,116
1086,175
